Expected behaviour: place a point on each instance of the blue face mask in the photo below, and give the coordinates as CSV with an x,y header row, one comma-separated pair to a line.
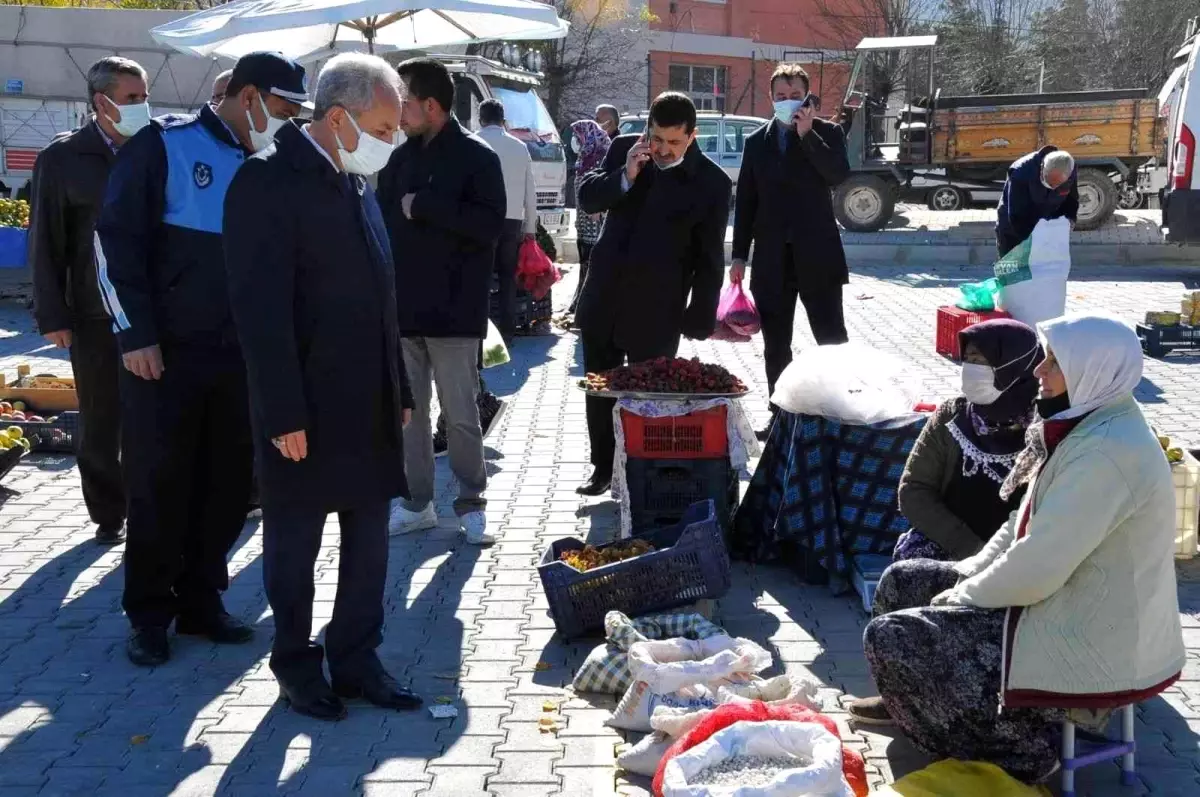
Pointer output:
x,y
786,109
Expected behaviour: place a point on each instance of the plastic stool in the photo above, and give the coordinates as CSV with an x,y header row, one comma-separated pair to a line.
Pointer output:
x,y
1094,753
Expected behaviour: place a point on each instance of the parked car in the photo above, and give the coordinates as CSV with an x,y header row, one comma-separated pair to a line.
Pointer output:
x,y
722,138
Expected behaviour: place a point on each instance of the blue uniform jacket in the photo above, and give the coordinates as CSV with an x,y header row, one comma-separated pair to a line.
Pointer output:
x,y
159,257
1026,201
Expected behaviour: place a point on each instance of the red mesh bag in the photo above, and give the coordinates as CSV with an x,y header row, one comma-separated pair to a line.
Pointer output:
x,y
853,767
535,272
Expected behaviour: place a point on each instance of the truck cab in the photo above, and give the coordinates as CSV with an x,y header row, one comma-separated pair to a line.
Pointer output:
x,y
477,79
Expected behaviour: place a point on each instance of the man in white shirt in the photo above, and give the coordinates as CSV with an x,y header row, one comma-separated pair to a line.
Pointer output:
x,y
521,219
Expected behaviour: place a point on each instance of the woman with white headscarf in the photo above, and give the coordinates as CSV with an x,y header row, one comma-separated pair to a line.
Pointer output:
x,y
1071,608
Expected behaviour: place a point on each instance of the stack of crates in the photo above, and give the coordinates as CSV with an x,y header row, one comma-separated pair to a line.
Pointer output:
x,y
674,461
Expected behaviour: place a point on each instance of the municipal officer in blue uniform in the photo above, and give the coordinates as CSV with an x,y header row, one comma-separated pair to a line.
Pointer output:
x,y
186,441
1040,185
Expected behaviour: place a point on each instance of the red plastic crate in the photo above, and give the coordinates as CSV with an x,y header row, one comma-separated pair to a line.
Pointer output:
x,y
697,435
951,320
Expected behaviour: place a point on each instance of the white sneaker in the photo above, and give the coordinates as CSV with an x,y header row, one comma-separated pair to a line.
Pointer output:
x,y
474,526
405,521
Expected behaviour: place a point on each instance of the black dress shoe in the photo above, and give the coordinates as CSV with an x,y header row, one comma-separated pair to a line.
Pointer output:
x,y
148,647
223,628
596,485
313,699
763,434
381,689
110,533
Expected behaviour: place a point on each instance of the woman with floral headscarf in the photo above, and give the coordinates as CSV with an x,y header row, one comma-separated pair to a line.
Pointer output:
x,y
1071,608
950,489
590,144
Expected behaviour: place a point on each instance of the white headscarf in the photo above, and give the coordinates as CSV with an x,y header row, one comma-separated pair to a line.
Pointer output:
x,y
1099,355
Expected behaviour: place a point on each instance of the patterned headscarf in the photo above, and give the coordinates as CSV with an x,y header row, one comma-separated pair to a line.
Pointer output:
x,y
593,144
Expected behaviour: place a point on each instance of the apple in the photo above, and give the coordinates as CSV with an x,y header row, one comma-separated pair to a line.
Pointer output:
x,y
37,418
18,416
14,432
18,406
6,406
6,416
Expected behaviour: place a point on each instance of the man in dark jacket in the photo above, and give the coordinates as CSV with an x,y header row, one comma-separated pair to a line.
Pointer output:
x,y
184,411
1041,185
785,210
317,322
443,198
664,237
69,180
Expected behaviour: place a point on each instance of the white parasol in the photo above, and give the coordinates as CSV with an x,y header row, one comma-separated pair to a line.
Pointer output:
x,y
307,30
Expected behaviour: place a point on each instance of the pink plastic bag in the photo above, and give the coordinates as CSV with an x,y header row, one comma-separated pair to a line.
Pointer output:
x,y
535,272
737,313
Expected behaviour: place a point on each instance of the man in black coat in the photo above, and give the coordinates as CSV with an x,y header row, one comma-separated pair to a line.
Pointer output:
x,y
314,300
442,196
69,181
785,209
1040,185
664,237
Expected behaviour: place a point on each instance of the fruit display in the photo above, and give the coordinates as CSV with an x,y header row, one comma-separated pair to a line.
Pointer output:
x,y
13,436
18,411
1174,453
666,375
588,557
1190,307
14,213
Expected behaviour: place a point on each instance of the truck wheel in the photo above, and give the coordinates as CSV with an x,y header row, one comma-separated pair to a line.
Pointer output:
x,y
1097,199
1128,197
864,203
946,197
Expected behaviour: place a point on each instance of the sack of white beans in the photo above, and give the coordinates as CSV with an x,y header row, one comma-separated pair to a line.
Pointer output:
x,y
760,759
684,673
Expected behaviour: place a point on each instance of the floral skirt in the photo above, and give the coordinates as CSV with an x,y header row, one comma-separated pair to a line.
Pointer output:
x,y
938,672
915,545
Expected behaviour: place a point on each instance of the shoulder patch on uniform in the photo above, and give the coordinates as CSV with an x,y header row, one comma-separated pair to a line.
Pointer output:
x,y
202,173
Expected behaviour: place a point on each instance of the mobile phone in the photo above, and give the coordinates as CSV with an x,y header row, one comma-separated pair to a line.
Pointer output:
x,y
808,101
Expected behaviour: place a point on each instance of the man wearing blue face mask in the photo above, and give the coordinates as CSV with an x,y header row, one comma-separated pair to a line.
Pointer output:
x,y
784,209
69,181
186,445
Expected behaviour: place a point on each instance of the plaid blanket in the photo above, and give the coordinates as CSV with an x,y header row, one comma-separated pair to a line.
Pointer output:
x,y
606,668
827,489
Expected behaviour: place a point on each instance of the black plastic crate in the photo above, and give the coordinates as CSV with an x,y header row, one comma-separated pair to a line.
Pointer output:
x,y
1159,341
689,563
9,458
61,434
528,312
661,490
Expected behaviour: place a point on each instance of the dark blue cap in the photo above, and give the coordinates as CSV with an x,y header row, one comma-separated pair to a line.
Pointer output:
x,y
272,73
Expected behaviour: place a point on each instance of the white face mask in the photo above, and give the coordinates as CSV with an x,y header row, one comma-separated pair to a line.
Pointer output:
x,y
368,157
671,165
786,109
133,118
979,381
260,141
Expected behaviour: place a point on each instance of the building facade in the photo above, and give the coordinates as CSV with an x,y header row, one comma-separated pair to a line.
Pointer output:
x,y
722,52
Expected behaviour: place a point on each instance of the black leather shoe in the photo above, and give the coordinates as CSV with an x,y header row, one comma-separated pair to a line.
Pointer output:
x,y
596,485
381,689
110,533
763,434
313,699
223,628
148,647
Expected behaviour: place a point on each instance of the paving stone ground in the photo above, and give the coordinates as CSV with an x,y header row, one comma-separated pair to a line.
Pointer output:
x,y
77,718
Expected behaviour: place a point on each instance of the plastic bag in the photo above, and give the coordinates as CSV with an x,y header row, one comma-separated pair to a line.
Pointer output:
x,y
536,273
853,767
852,383
684,673
494,350
1032,278
736,312
818,753
978,296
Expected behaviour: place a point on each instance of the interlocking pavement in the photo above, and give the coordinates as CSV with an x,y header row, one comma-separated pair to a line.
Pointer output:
x,y
465,625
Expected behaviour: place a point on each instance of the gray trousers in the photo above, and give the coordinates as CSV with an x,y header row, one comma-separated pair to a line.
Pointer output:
x,y
450,365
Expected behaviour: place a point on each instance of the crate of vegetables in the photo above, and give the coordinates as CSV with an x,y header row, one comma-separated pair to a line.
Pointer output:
x,y
650,571
57,433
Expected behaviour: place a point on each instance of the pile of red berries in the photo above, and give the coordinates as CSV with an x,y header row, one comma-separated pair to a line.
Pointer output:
x,y
666,375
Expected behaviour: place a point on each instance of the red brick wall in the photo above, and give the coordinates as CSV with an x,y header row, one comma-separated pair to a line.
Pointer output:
x,y
752,99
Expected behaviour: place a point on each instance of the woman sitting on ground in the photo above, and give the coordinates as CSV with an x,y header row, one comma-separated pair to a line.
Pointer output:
x,y
950,490
1072,606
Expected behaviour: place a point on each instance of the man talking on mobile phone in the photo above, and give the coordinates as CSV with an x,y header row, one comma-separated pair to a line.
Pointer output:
x,y
663,241
784,208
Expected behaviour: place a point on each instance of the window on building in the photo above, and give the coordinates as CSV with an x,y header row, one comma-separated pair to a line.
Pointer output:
x,y
704,84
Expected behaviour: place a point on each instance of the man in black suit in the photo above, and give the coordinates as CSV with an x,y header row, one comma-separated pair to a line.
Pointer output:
x,y
785,209
668,206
